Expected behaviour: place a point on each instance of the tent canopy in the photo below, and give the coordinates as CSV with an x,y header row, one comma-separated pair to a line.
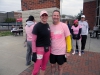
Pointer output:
x,y
19,20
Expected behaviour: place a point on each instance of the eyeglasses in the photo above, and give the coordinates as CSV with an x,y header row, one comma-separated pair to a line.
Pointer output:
x,y
44,15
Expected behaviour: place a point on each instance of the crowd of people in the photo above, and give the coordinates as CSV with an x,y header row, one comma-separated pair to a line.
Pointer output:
x,y
53,42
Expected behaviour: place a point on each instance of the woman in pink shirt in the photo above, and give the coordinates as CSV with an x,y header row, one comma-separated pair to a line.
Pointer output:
x,y
76,35
28,29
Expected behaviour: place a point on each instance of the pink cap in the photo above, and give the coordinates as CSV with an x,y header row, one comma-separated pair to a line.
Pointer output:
x,y
43,12
75,21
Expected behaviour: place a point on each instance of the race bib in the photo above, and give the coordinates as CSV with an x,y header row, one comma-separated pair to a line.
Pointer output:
x,y
39,56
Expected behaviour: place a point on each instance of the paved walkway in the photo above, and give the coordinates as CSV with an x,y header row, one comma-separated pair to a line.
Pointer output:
x,y
12,58
12,55
88,64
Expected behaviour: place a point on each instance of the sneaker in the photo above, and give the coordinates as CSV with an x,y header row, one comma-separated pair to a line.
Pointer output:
x,y
77,51
82,52
73,53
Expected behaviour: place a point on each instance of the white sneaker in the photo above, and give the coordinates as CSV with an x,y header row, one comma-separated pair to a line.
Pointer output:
x,y
79,53
73,53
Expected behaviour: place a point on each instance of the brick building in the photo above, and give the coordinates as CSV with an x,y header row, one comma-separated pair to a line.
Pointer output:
x,y
91,8
33,7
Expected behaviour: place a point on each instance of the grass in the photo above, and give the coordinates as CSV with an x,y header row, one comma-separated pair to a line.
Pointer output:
x,y
5,33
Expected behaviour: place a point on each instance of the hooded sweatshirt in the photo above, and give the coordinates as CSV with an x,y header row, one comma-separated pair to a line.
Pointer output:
x,y
28,29
84,26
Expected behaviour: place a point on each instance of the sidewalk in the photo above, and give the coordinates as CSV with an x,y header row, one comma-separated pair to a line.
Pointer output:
x,y
87,64
12,58
12,55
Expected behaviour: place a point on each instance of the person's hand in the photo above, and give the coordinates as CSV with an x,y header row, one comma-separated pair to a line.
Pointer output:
x,y
25,44
67,55
79,36
74,36
34,57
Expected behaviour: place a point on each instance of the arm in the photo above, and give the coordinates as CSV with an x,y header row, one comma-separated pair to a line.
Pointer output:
x,y
72,32
67,38
87,28
26,35
34,37
26,38
80,30
68,43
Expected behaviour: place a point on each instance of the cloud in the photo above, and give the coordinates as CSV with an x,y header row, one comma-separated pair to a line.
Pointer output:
x,y
71,7
10,5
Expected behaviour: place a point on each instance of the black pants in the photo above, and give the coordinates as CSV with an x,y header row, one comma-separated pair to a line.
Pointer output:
x,y
83,42
96,34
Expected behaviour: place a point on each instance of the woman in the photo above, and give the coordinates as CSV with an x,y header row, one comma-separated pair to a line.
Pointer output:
x,y
41,44
28,30
76,35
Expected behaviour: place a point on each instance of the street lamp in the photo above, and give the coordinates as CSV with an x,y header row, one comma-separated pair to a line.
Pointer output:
x,y
98,14
61,1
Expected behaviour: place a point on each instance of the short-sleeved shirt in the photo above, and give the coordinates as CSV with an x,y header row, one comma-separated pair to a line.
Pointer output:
x,y
43,34
58,34
76,29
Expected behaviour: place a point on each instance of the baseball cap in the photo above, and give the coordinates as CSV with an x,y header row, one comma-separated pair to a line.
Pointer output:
x,y
83,16
43,12
75,21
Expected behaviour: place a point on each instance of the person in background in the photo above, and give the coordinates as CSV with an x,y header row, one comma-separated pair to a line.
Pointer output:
x,y
20,31
67,23
28,31
76,36
84,33
13,27
60,38
25,42
41,44
12,30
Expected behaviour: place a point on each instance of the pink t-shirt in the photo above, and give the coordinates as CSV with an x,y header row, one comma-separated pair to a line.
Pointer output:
x,y
28,31
58,34
76,29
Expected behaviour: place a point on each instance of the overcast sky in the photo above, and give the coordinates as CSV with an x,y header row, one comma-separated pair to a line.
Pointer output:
x,y
10,5
69,7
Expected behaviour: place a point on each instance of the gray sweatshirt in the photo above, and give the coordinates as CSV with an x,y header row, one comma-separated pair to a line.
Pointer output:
x,y
85,27
29,23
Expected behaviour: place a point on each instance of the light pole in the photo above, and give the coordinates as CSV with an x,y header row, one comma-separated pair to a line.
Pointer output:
x,y
98,15
61,1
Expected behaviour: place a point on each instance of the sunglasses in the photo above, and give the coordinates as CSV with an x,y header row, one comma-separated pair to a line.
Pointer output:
x,y
44,15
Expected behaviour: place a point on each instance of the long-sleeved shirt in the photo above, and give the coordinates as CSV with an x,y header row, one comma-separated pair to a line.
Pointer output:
x,y
85,27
